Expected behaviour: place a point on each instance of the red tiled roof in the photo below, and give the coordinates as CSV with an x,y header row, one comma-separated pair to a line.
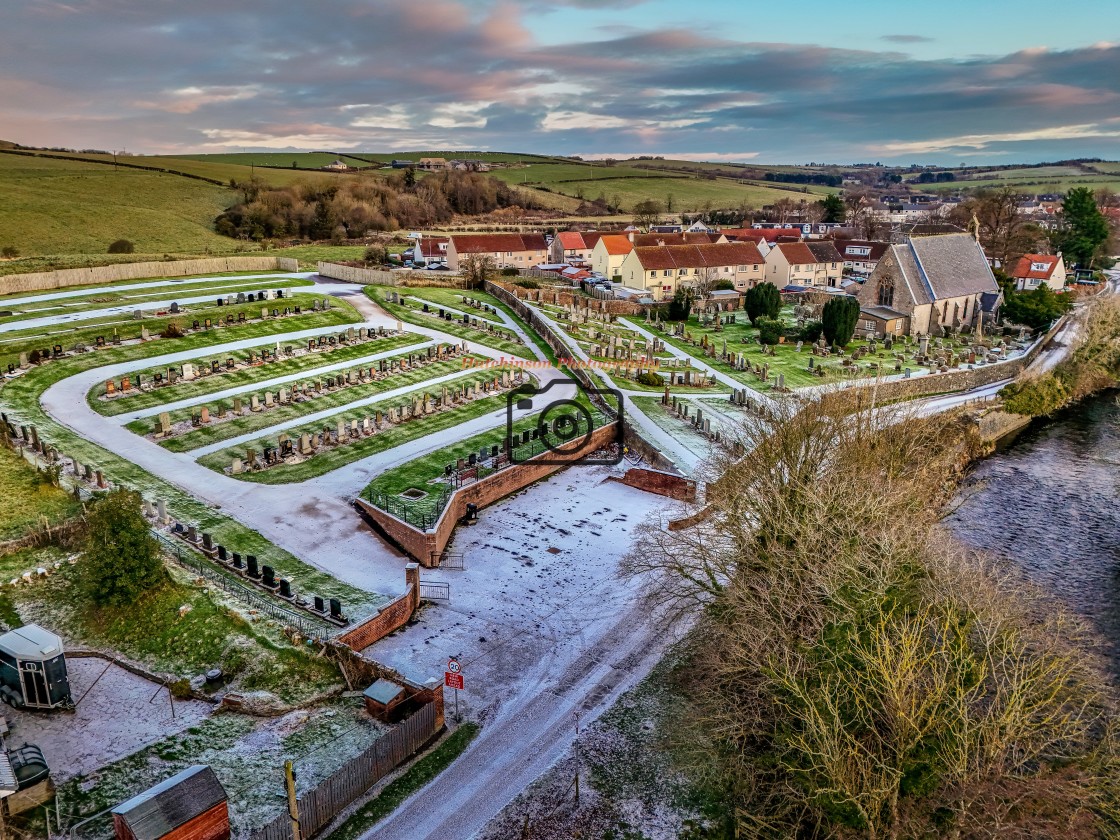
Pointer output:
x,y
492,243
1023,270
645,239
877,249
656,257
769,234
572,240
797,253
429,246
617,244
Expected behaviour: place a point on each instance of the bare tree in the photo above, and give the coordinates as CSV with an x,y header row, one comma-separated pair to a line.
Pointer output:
x,y
1005,233
476,268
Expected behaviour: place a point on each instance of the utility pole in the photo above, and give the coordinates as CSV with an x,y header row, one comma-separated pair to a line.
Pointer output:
x,y
293,803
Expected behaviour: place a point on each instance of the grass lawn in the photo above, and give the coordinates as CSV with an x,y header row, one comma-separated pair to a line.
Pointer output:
x,y
52,206
453,299
37,501
383,440
13,343
20,399
181,390
397,791
310,256
205,435
414,315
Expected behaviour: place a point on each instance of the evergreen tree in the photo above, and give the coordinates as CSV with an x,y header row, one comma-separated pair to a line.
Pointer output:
x,y
681,305
833,208
121,560
1084,228
764,300
838,320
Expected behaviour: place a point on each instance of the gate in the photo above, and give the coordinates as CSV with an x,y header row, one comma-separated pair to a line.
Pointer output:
x,y
434,591
447,560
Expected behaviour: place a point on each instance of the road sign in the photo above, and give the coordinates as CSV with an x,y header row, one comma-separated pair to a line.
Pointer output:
x,y
453,666
453,680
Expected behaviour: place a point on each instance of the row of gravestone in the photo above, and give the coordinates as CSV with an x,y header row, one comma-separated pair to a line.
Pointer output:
x,y
29,436
696,418
309,443
249,297
309,390
188,371
479,324
250,570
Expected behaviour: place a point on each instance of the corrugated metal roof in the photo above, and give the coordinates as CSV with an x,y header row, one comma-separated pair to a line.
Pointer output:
x,y
172,803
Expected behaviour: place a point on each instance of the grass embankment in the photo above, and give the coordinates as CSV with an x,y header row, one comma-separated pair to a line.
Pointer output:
x,y
33,500
20,398
181,390
414,315
17,341
414,778
382,441
309,256
1093,366
53,206
206,435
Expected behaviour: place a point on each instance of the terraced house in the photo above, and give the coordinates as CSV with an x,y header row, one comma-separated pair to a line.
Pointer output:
x,y
660,269
804,264
517,250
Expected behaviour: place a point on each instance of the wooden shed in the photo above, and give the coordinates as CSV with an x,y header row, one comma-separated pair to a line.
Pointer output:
x,y
881,321
382,699
189,806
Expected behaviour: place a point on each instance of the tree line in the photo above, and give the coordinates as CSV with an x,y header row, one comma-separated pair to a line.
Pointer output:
x,y
357,207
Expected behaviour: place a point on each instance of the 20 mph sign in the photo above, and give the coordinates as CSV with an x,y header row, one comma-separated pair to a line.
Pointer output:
x,y
453,666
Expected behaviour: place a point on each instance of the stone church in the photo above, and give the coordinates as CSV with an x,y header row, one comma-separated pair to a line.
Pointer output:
x,y
933,281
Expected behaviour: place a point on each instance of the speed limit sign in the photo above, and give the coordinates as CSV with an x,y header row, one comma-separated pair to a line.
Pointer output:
x,y
453,666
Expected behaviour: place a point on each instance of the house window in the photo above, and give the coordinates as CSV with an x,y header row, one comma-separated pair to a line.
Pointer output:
x,y
509,253
869,326
667,273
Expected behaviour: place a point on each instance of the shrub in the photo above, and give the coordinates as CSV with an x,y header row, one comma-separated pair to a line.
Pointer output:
x,y
527,283
180,689
1037,308
9,252
172,330
723,285
810,332
680,306
122,246
764,300
510,271
650,378
770,330
121,560
375,255
1036,398
838,320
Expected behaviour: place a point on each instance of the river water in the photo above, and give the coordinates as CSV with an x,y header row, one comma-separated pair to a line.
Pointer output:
x,y
1049,501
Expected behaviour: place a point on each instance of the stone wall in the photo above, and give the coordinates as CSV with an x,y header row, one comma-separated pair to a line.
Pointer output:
x,y
45,280
381,277
393,615
423,545
558,296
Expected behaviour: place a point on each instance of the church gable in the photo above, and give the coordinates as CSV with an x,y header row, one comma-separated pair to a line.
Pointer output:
x,y
887,286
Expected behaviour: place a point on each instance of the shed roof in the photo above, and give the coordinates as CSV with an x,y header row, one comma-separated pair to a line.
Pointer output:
x,y
172,803
384,691
883,312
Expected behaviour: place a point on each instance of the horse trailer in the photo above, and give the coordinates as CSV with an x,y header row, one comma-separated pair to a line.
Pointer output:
x,y
33,669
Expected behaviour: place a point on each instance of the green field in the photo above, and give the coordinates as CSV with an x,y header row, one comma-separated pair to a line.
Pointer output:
x,y
1033,179
57,207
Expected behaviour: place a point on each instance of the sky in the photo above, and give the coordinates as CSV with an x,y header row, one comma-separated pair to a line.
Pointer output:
x,y
956,81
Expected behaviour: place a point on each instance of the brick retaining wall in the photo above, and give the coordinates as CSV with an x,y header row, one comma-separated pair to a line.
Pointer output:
x,y
661,483
393,615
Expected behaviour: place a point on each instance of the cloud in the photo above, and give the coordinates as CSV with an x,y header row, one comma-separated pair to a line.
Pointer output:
x,y
905,39
450,74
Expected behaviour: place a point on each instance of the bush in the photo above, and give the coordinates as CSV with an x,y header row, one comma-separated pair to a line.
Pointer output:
x,y
1037,308
180,689
510,271
770,330
838,320
764,300
723,285
375,255
172,330
650,378
811,332
527,283
1037,398
9,252
122,246
121,560
680,307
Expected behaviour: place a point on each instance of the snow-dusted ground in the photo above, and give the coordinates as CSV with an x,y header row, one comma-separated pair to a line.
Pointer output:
x,y
116,718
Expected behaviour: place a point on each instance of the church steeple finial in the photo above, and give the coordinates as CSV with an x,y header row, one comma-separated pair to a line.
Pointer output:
x,y
974,226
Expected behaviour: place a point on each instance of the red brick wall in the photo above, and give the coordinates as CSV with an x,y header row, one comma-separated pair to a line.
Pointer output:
x,y
662,483
395,614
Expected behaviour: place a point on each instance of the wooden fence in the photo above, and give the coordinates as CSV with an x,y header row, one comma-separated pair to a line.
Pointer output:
x,y
319,806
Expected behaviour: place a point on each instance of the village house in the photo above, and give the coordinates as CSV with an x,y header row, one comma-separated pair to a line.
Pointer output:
x,y
1034,270
516,250
804,264
935,281
770,236
860,256
684,238
336,166
573,246
660,269
430,249
608,253
432,164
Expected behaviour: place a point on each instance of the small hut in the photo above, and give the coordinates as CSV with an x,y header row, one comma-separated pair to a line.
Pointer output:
x,y
189,806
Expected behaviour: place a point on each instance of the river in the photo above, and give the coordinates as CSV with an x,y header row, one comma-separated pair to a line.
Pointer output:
x,y
1049,500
